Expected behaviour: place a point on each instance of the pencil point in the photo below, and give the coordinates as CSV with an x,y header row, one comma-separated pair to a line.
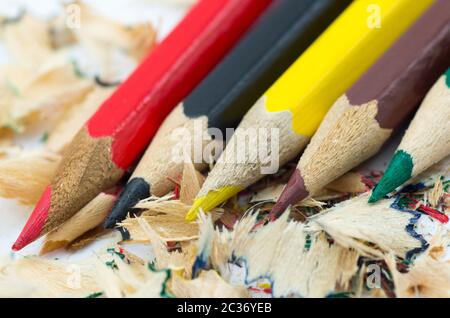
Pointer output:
x,y
136,190
374,197
211,200
294,192
398,172
36,222
193,212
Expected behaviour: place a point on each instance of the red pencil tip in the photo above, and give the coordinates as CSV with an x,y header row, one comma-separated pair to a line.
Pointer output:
x,y
294,191
18,245
35,223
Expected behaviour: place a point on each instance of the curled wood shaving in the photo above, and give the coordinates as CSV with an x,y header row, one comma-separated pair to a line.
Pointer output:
x,y
191,183
180,261
167,218
74,118
39,277
28,41
53,89
25,177
170,229
161,206
354,223
102,37
119,278
280,252
86,219
152,200
436,194
40,96
43,84
310,203
110,273
164,259
93,235
428,277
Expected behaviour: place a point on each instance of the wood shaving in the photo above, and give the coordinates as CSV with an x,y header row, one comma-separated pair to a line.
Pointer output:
x,y
436,194
102,37
292,268
25,177
428,277
118,278
28,41
191,183
43,96
39,277
91,236
74,118
167,218
354,222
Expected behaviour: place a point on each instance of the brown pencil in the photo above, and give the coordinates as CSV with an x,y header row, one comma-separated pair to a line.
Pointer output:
x,y
363,119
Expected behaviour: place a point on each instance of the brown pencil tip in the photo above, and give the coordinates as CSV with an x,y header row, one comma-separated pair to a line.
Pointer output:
x,y
294,192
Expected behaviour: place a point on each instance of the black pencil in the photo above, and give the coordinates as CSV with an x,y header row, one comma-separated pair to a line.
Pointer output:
x,y
221,100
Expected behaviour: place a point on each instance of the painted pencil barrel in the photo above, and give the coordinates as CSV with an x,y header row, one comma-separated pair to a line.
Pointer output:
x,y
305,92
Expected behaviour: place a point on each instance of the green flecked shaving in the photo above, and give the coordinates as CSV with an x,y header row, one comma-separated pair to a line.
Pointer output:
x,y
164,292
95,295
398,172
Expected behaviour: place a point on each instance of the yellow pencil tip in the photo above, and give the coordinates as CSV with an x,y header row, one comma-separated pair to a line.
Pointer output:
x,y
211,200
193,212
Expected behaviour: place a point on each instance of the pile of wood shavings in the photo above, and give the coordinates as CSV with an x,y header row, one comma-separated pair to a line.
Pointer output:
x,y
331,254
44,95
327,246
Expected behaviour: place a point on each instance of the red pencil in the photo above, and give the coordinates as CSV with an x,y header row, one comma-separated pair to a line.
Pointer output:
x,y
115,136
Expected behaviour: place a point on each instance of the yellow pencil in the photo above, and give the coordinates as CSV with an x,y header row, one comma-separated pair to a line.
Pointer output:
x,y
292,109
